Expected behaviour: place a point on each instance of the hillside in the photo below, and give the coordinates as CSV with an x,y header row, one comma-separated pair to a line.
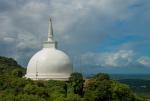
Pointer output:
x,y
8,65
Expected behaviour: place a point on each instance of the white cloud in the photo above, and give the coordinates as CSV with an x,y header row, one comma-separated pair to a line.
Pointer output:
x,y
120,58
8,40
145,60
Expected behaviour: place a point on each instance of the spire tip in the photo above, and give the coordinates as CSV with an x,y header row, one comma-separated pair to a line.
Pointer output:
x,y
50,30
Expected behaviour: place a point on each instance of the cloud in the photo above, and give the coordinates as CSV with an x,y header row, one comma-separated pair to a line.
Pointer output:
x,y
8,40
118,59
145,60
79,26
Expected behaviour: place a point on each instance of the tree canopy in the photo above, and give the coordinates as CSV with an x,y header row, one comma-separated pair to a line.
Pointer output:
x,y
14,87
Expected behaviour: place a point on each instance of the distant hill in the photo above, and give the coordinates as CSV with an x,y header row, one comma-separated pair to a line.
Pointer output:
x,y
7,65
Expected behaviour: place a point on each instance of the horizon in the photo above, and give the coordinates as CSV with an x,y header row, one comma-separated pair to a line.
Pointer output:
x,y
110,36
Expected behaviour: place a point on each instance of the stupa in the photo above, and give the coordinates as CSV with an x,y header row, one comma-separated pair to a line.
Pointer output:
x,y
49,63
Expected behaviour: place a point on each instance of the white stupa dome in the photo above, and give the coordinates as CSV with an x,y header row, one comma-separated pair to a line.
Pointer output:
x,y
49,63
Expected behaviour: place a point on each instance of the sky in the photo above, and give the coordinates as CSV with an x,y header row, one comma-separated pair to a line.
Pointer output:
x,y
111,36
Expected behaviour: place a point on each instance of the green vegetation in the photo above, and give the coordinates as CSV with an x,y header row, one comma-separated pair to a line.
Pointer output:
x,y
140,86
10,66
14,87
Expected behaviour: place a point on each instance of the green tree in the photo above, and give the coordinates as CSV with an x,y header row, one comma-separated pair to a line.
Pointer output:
x,y
73,97
122,92
25,97
8,97
77,81
17,72
98,90
102,76
57,96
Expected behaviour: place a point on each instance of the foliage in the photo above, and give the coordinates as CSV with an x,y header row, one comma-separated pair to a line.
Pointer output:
x,y
14,87
140,86
77,82
73,97
17,72
7,65
100,90
122,92
101,76
21,97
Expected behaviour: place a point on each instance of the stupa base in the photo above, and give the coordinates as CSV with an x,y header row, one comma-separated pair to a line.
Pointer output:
x,y
61,77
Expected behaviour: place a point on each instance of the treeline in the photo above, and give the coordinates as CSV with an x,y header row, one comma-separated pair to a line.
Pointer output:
x,y
98,88
14,87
